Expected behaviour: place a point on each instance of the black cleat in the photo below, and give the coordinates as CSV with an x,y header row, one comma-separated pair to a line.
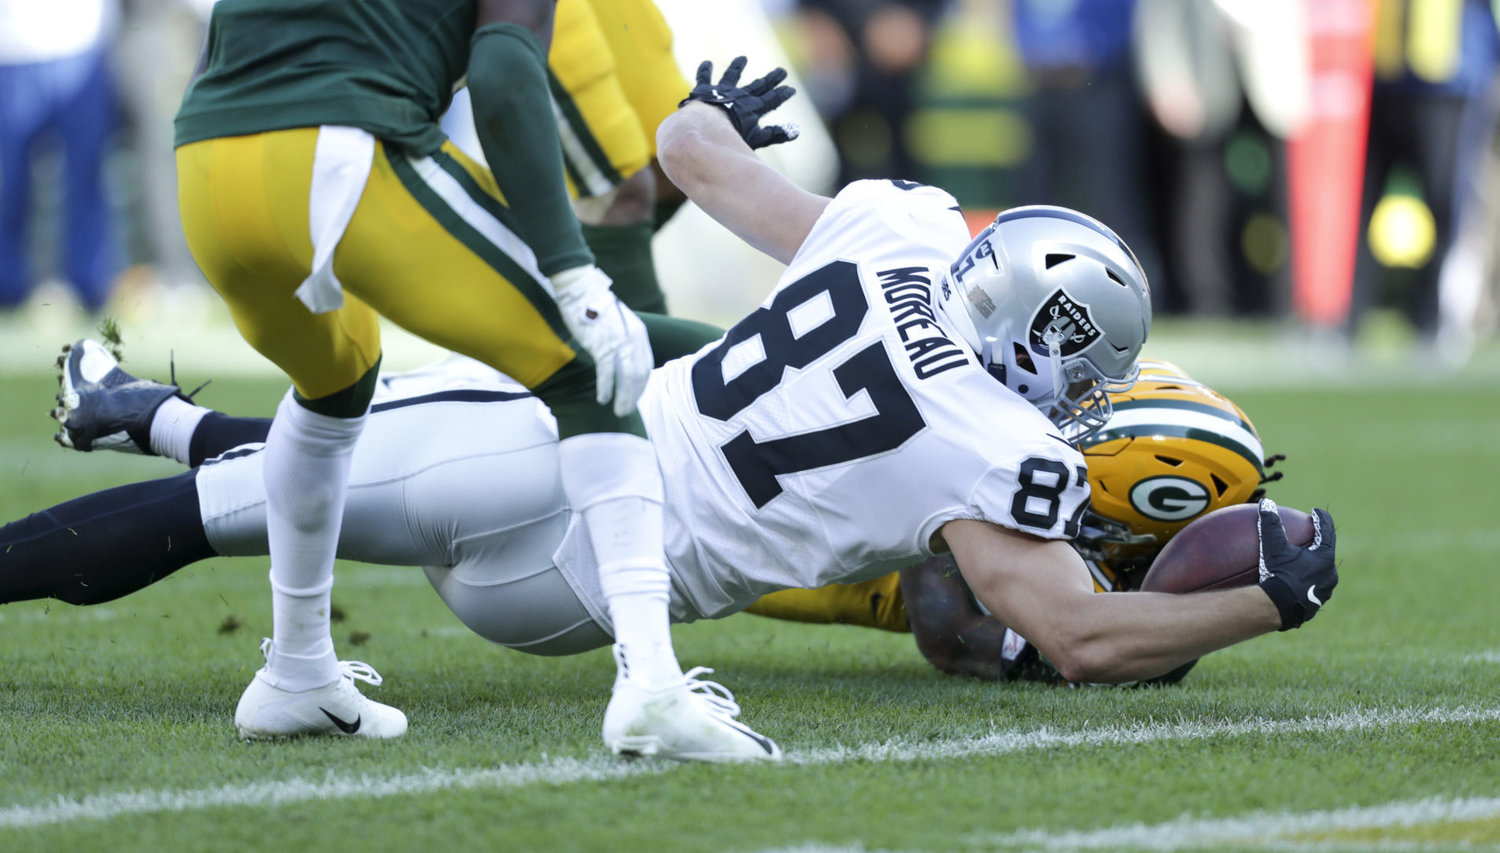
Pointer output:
x,y
101,406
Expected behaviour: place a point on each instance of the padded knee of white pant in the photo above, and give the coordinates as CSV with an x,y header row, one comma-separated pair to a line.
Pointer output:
x,y
606,466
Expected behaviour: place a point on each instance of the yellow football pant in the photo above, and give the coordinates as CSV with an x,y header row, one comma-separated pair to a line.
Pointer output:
x,y
429,246
875,603
615,80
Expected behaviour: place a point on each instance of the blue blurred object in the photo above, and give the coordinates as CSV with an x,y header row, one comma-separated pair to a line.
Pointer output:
x,y
1085,116
1091,34
61,97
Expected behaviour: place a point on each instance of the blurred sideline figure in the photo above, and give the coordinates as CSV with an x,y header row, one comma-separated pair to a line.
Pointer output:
x,y
1432,116
318,192
56,92
1086,117
861,63
1175,450
154,55
1226,83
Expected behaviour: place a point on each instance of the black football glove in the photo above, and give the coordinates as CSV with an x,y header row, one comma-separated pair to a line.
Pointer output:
x,y
1298,580
746,104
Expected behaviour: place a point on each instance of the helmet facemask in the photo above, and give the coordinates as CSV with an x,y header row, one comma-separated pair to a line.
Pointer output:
x,y
1127,553
1072,392
1118,557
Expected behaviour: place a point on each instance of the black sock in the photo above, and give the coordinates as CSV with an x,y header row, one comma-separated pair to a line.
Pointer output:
x,y
104,545
217,433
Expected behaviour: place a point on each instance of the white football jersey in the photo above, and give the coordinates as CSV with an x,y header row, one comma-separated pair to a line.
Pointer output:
x,y
832,432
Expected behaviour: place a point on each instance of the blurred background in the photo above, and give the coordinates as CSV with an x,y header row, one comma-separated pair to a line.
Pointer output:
x,y
1311,174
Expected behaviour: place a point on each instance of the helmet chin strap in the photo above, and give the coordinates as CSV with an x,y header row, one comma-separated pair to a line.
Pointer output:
x,y
1053,339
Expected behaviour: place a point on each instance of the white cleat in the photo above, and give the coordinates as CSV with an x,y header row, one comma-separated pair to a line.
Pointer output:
x,y
691,720
267,712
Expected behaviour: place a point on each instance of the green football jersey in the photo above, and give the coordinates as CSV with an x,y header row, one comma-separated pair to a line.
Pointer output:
x,y
386,66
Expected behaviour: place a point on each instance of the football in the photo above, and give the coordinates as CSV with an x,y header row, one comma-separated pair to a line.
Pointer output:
x,y
1219,551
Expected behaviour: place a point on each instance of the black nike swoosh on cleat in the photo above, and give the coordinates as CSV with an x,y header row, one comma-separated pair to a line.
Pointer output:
x,y
346,727
763,741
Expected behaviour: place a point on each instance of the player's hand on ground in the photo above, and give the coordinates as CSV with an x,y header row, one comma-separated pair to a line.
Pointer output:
x,y
611,333
747,104
1299,580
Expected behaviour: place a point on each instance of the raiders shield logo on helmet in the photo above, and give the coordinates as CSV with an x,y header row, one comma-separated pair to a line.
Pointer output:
x,y
1065,322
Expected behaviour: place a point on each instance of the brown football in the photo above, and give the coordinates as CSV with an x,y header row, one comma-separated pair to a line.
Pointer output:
x,y
1219,551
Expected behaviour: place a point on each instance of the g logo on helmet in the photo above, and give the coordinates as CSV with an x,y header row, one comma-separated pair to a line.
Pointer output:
x,y
1169,498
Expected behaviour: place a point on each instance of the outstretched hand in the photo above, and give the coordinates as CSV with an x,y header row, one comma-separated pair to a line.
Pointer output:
x,y
1298,580
747,104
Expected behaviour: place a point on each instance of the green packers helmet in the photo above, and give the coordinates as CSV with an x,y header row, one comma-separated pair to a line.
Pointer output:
x,y
1173,450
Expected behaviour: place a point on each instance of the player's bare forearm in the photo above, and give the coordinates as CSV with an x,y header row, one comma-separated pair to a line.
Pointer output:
x,y
950,632
1041,589
703,155
1141,635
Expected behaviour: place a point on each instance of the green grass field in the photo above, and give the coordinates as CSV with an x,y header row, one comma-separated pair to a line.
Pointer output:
x,y
1376,727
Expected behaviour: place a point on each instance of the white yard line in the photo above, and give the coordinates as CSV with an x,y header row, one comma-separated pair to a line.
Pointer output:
x,y
1283,831
1272,830
332,787
1001,743
566,771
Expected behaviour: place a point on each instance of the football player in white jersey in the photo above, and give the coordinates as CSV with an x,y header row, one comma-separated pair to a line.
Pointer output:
x,y
1174,451
414,503
906,392
903,392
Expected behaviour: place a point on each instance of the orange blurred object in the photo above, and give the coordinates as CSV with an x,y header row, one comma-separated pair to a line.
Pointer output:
x,y
978,219
1326,161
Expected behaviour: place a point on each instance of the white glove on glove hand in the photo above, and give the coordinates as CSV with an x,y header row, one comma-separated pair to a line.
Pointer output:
x,y
611,333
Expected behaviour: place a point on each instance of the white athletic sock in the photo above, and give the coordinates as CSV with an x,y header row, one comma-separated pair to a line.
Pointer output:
x,y
306,474
172,428
611,479
625,532
303,645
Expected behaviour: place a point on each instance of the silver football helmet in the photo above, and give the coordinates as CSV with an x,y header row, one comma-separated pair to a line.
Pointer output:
x,y
1057,308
